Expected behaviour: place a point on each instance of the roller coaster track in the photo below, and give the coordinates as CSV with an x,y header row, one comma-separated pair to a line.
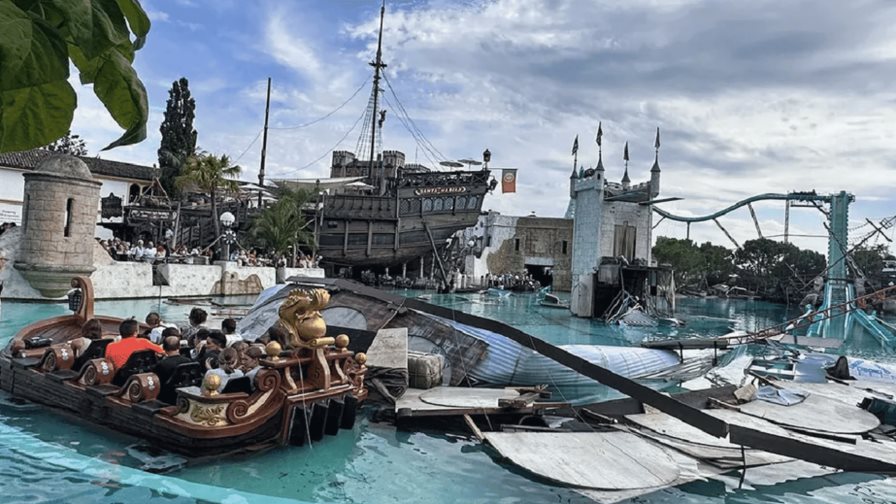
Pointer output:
x,y
794,196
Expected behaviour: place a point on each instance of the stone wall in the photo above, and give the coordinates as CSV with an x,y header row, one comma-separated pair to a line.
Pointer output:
x,y
631,214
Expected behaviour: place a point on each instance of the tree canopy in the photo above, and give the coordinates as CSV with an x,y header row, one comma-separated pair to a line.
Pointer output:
x,y
178,136
282,225
38,38
211,175
774,270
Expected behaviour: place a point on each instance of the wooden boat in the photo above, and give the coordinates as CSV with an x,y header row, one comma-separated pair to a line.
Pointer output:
x,y
312,387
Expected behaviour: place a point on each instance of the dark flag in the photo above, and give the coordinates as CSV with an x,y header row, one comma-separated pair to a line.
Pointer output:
x,y
600,134
656,144
625,156
575,145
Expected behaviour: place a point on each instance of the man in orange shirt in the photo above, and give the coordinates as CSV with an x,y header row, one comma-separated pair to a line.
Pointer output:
x,y
119,351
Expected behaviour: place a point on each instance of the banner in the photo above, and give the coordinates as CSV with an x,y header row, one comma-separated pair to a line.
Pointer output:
x,y
508,180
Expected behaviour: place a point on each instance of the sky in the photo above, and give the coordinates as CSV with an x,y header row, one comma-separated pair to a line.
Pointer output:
x,y
750,97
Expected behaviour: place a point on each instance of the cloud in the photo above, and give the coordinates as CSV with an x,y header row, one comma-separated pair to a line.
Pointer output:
x,y
750,97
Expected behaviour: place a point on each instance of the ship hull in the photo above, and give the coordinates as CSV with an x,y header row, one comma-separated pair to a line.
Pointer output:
x,y
386,231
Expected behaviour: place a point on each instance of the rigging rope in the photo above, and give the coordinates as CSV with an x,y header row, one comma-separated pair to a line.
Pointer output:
x,y
248,147
319,119
411,121
325,154
427,153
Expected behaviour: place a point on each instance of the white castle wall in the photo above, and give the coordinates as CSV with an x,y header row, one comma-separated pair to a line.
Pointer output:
x,y
123,280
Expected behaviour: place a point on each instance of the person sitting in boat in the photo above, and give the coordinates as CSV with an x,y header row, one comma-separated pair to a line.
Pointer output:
x,y
227,366
90,331
172,359
197,344
228,327
118,352
249,364
215,343
156,327
274,333
198,316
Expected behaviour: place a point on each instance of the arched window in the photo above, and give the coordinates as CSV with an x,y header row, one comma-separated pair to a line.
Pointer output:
x,y
427,205
439,205
461,202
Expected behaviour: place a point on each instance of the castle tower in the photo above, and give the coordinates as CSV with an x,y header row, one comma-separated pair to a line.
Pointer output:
x,y
655,170
58,224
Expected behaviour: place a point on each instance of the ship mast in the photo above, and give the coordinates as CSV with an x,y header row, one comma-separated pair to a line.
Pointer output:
x,y
377,65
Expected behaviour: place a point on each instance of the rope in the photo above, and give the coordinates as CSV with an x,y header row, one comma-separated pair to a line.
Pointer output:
x,y
327,115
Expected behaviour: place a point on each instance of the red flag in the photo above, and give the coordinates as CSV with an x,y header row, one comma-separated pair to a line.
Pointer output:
x,y
508,180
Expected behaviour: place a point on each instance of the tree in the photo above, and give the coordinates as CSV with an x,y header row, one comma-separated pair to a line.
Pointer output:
x,y
209,174
870,260
178,136
69,144
682,255
37,40
282,225
718,263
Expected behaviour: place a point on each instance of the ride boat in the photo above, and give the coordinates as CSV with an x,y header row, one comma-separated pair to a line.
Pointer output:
x,y
310,388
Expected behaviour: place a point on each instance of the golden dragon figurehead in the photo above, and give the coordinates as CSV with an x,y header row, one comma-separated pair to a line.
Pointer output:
x,y
300,315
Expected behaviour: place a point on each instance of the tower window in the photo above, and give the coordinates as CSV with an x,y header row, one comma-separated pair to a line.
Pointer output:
x,y
516,244
564,247
68,217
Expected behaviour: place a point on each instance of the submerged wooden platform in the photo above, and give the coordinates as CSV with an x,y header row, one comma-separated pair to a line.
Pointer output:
x,y
459,401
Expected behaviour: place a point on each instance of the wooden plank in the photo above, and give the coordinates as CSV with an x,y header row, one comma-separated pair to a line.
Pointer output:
x,y
816,413
460,397
389,349
597,460
473,427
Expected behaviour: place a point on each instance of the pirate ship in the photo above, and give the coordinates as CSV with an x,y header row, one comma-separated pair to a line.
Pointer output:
x,y
310,388
377,210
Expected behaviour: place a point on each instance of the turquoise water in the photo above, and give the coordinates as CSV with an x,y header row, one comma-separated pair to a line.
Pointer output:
x,y
48,457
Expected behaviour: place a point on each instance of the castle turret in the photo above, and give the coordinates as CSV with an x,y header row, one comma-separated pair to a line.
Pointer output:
x,y
341,159
58,224
626,182
655,170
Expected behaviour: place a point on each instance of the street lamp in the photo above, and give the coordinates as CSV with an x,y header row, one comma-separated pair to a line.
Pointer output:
x,y
227,219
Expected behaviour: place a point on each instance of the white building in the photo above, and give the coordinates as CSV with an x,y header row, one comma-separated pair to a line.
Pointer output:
x,y
124,180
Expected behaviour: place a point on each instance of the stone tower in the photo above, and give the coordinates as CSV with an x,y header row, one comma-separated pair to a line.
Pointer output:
x,y
58,223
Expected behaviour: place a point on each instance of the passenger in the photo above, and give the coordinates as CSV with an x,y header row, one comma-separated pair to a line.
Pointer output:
x,y
136,253
90,331
274,333
156,327
227,363
118,352
249,363
172,359
198,344
240,346
149,253
228,327
214,344
198,316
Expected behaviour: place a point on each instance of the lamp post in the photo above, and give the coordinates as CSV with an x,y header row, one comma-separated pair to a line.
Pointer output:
x,y
227,219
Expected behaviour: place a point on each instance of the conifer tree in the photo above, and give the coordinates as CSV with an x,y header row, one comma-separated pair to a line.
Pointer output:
x,y
178,136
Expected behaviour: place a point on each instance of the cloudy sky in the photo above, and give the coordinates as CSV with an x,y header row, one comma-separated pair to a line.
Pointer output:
x,y
750,97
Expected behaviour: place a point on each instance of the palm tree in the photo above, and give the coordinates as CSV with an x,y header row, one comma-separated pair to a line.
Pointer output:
x,y
209,174
282,225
